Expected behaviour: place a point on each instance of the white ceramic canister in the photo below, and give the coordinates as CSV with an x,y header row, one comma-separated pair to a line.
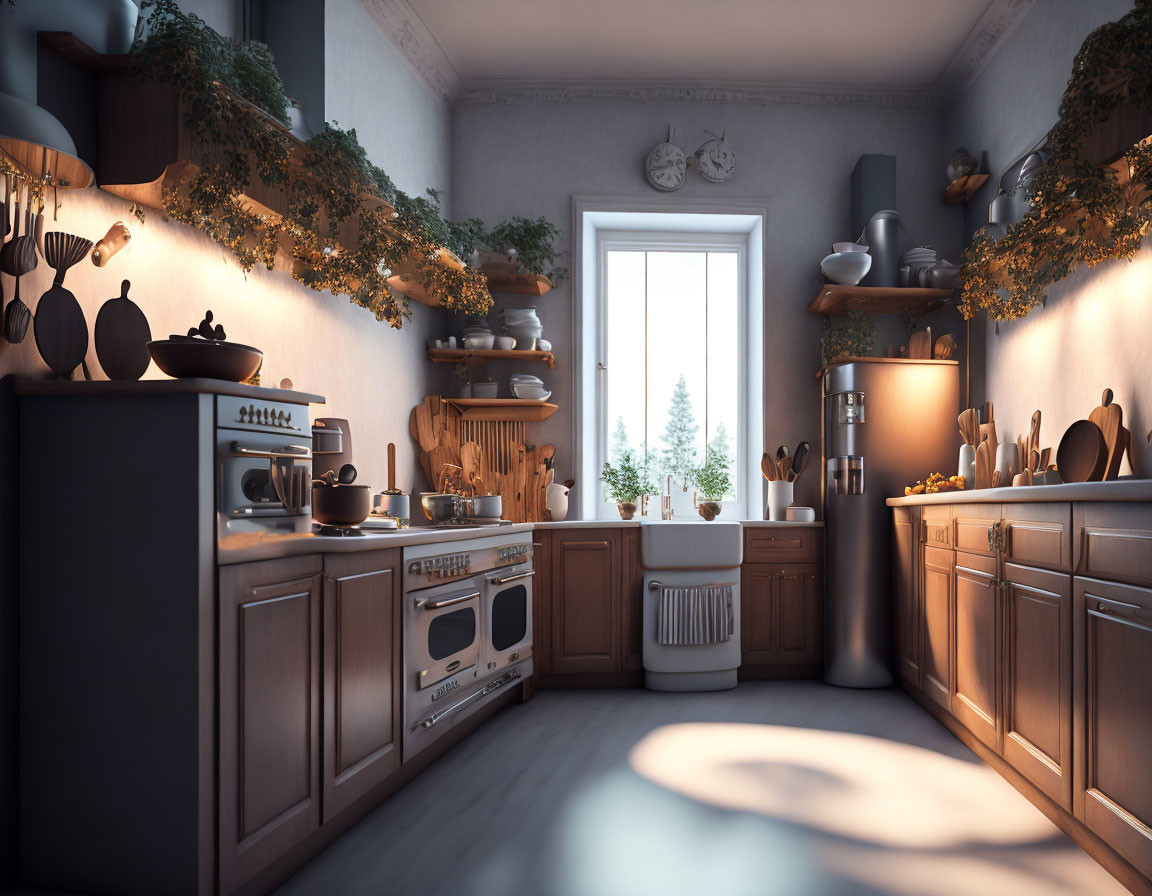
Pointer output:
x,y
1007,460
966,465
557,502
779,497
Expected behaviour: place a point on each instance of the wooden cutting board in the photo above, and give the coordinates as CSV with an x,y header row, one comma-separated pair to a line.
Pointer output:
x,y
1110,418
61,331
122,336
920,345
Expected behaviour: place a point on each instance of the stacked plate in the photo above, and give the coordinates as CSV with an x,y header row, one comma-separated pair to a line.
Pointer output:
x,y
477,336
523,325
526,386
915,265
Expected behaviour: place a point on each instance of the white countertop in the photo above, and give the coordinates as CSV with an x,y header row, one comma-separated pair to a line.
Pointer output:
x,y
246,548
1116,490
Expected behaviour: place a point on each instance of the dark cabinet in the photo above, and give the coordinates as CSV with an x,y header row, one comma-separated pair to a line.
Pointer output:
x,y
975,694
1113,715
586,601
269,692
906,598
1038,678
781,619
362,675
936,631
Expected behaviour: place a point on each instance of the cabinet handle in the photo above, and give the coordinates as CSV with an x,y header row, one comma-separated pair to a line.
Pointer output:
x,y
1121,610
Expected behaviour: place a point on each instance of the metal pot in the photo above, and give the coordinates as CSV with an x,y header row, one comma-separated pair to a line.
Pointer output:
x,y
442,508
484,507
393,504
327,439
341,505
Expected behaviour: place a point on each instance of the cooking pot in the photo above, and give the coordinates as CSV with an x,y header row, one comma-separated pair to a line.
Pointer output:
x,y
341,505
327,439
442,508
483,507
393,504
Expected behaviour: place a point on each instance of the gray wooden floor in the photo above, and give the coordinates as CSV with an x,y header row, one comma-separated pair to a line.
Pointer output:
x,y
774,788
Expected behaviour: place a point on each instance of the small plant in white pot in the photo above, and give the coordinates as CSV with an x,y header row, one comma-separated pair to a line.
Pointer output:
x,y
626,482
713,482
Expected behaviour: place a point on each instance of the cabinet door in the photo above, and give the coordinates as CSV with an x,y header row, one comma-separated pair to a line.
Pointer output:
x,y
1114,542
799,616
975,696
362,676
906,596
632,601
1113,715
973,528
936,633
1038,535
586,616
757,612
1038,678
269,712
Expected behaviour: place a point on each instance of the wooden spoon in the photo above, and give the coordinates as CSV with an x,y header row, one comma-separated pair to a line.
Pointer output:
x,y
781,453
768,466
799,460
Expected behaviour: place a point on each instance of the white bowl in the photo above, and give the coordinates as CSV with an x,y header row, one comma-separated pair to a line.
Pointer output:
x,y
485,390
846,268
530,393
794,513
504,343
479,341
849,247
526,378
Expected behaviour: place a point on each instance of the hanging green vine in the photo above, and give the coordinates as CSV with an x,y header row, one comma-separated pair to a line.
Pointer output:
x,y
229,90
1082,211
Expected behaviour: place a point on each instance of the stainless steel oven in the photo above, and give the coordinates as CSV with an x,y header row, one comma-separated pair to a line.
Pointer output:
x,y
507,616
467,630
442,632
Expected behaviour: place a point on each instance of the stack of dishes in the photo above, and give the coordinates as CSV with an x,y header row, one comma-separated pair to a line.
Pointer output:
x,y
523,325
526,386
915,265
477,336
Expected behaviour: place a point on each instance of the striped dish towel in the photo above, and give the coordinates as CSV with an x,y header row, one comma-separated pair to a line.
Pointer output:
x,y
694,616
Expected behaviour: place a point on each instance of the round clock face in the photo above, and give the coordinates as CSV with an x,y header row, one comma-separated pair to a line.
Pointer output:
x,y
666,167
716,161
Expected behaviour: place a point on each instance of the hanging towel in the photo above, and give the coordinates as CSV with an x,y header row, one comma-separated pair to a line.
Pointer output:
x,y
694,615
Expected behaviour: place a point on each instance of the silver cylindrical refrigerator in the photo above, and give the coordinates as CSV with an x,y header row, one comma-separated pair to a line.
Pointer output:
x,y
886,423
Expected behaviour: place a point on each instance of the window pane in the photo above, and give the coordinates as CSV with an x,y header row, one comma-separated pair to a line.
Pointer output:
x,y
625,354
724,351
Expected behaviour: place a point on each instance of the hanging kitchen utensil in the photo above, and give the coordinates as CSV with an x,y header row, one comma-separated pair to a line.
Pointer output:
x,y
61,330
5,207
38,229
23,248
122,335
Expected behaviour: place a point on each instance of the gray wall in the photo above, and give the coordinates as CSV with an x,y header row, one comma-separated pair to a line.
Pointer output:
x,y
531,158
371,374
1096,328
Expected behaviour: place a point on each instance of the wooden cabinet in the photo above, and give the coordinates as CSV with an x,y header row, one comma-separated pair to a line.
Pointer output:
x,y
362,675
975,693
776,545
936,520
269,692
974,528
781,620
1113,717
936,630
906,599
1114,542
1038,535
632,601
1037,674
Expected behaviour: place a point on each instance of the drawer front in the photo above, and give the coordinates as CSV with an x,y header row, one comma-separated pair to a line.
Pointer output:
x,y
1115,542
973,525
1039,535
936,525
783,545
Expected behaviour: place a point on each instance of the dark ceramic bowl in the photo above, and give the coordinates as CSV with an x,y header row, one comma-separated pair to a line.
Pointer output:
x,y
184,357
341,505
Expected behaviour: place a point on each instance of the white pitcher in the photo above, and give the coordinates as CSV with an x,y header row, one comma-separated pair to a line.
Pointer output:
x,y
557,502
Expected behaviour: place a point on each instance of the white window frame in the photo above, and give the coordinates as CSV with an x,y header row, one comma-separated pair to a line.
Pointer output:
x,y
665,241
665,216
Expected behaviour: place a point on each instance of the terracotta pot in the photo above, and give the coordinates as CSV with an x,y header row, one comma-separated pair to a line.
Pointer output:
x,y
709,510
627,510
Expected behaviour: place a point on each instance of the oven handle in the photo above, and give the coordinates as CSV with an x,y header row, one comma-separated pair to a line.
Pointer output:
x,y
494,685
448,601
504,580
288,452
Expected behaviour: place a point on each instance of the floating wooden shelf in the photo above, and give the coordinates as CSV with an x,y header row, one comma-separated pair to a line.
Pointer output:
x,y
512,409
836,299
963,188
479,356
509,277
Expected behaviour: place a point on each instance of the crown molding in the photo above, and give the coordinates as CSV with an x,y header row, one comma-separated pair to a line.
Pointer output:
x,y
404,27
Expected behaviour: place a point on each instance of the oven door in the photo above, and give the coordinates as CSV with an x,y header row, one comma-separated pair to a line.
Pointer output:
x,y
507,616
443,631
254,471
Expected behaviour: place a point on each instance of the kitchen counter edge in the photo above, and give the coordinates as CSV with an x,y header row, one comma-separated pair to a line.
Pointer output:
x,y
1116,490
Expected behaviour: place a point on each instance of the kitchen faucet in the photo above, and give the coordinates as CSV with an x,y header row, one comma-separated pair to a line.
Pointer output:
x,y
666,500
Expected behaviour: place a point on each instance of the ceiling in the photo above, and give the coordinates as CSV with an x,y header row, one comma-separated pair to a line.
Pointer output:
x,y
878,43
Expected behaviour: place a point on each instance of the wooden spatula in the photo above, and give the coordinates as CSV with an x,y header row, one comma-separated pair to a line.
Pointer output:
x,y
768,467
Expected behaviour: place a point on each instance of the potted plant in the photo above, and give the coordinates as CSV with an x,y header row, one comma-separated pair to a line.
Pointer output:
x,y
626,482
531,245
712,480
850,336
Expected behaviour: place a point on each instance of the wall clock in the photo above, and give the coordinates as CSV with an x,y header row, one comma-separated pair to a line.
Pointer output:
x,y
666,165
715,160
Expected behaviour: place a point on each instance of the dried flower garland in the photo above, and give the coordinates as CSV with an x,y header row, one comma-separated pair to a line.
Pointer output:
x,y
1082,212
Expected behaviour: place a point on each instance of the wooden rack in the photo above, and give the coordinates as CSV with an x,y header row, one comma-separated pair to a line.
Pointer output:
x,y
507,409
479,356
836,299
511,277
